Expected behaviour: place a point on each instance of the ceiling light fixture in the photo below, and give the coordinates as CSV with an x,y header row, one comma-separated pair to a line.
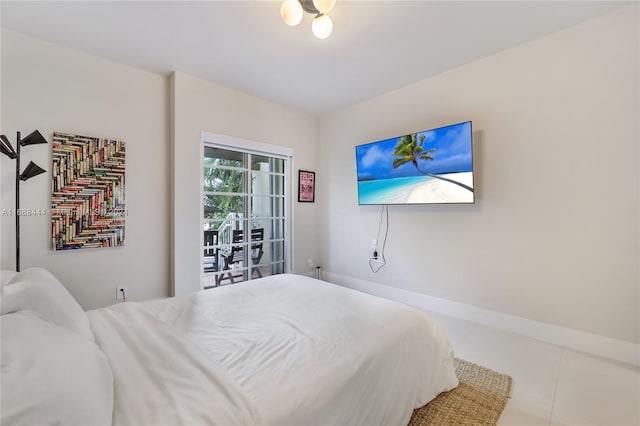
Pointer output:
x,y
291,12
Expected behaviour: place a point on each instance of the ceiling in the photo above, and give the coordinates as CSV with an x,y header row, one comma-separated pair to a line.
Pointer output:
x,y
376,46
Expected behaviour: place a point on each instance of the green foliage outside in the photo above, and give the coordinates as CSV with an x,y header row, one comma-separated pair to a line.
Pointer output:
x,y
222,180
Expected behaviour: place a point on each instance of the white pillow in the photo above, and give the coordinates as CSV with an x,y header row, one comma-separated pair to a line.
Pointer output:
x,y
38,291
6,275
52,376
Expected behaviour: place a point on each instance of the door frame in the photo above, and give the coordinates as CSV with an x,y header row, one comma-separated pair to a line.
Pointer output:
x,y
253,147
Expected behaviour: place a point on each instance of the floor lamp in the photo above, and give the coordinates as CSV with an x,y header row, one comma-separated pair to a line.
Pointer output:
x,y
30,171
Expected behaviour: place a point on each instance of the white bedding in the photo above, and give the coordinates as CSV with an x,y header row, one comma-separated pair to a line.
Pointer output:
x,y
283,350
162,378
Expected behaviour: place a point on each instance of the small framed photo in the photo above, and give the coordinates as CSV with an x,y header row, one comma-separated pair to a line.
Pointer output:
x,y
306,186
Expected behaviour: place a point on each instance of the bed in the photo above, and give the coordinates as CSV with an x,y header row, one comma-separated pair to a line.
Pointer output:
x,y
280,350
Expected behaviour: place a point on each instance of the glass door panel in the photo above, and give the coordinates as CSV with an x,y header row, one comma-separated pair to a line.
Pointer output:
x,y
243,216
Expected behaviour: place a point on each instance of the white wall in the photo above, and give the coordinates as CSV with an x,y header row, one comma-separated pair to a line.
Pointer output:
x,y
554,234
52,88
203,106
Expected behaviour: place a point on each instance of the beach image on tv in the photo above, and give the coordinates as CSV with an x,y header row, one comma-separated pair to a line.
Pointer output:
x,y
434,166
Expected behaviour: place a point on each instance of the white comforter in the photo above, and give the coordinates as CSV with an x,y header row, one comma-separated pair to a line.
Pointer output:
x,y
283,350
161,377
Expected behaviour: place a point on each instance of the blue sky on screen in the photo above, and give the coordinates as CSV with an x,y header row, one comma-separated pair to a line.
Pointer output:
x,y
453,154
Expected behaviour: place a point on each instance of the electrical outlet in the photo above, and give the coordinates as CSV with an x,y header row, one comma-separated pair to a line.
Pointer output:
x,y
122,292
310,263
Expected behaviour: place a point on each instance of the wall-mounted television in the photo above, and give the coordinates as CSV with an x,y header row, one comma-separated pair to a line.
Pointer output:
x,y
429,167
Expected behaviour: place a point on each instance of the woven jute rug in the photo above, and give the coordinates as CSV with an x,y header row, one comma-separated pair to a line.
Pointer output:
x,y
478,400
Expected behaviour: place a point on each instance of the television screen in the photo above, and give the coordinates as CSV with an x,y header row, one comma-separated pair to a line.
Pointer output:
x,y
433,166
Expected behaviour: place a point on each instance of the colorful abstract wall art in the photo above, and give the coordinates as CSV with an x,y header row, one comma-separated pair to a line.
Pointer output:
x,y
87,198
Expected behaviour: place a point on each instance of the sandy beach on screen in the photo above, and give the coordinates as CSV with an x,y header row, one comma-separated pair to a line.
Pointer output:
x,y
440,191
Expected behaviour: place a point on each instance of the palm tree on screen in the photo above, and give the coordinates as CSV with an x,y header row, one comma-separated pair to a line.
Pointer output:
x,y
410,149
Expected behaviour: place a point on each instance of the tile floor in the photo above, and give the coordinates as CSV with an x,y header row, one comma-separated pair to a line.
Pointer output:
x,y
551,385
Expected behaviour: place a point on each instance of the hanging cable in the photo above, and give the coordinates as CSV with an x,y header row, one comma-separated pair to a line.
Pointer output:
x,y
376,257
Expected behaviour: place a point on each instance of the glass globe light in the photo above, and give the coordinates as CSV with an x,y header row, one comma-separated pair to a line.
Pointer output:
x,y
322,26
291,12
324,6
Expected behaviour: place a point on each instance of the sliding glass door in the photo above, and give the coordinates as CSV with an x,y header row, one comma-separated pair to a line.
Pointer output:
x,y
244,215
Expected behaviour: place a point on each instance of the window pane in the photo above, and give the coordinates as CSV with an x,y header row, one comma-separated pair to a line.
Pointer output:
x,y
260,162
223,180
276,251
277,185
260,183
221,206
277,206
277,229
278,268
232,225
277,165
257,225
265,184
223,157
261,207
267,164
212,225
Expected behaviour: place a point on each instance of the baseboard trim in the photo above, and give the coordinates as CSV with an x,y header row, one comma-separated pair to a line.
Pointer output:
x,y
593,344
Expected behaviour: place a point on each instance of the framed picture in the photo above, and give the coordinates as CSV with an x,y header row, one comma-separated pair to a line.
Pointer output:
x,y
88,206
306,186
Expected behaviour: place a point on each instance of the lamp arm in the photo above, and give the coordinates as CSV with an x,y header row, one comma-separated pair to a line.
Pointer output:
x,y
6,148
30,171
18,202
